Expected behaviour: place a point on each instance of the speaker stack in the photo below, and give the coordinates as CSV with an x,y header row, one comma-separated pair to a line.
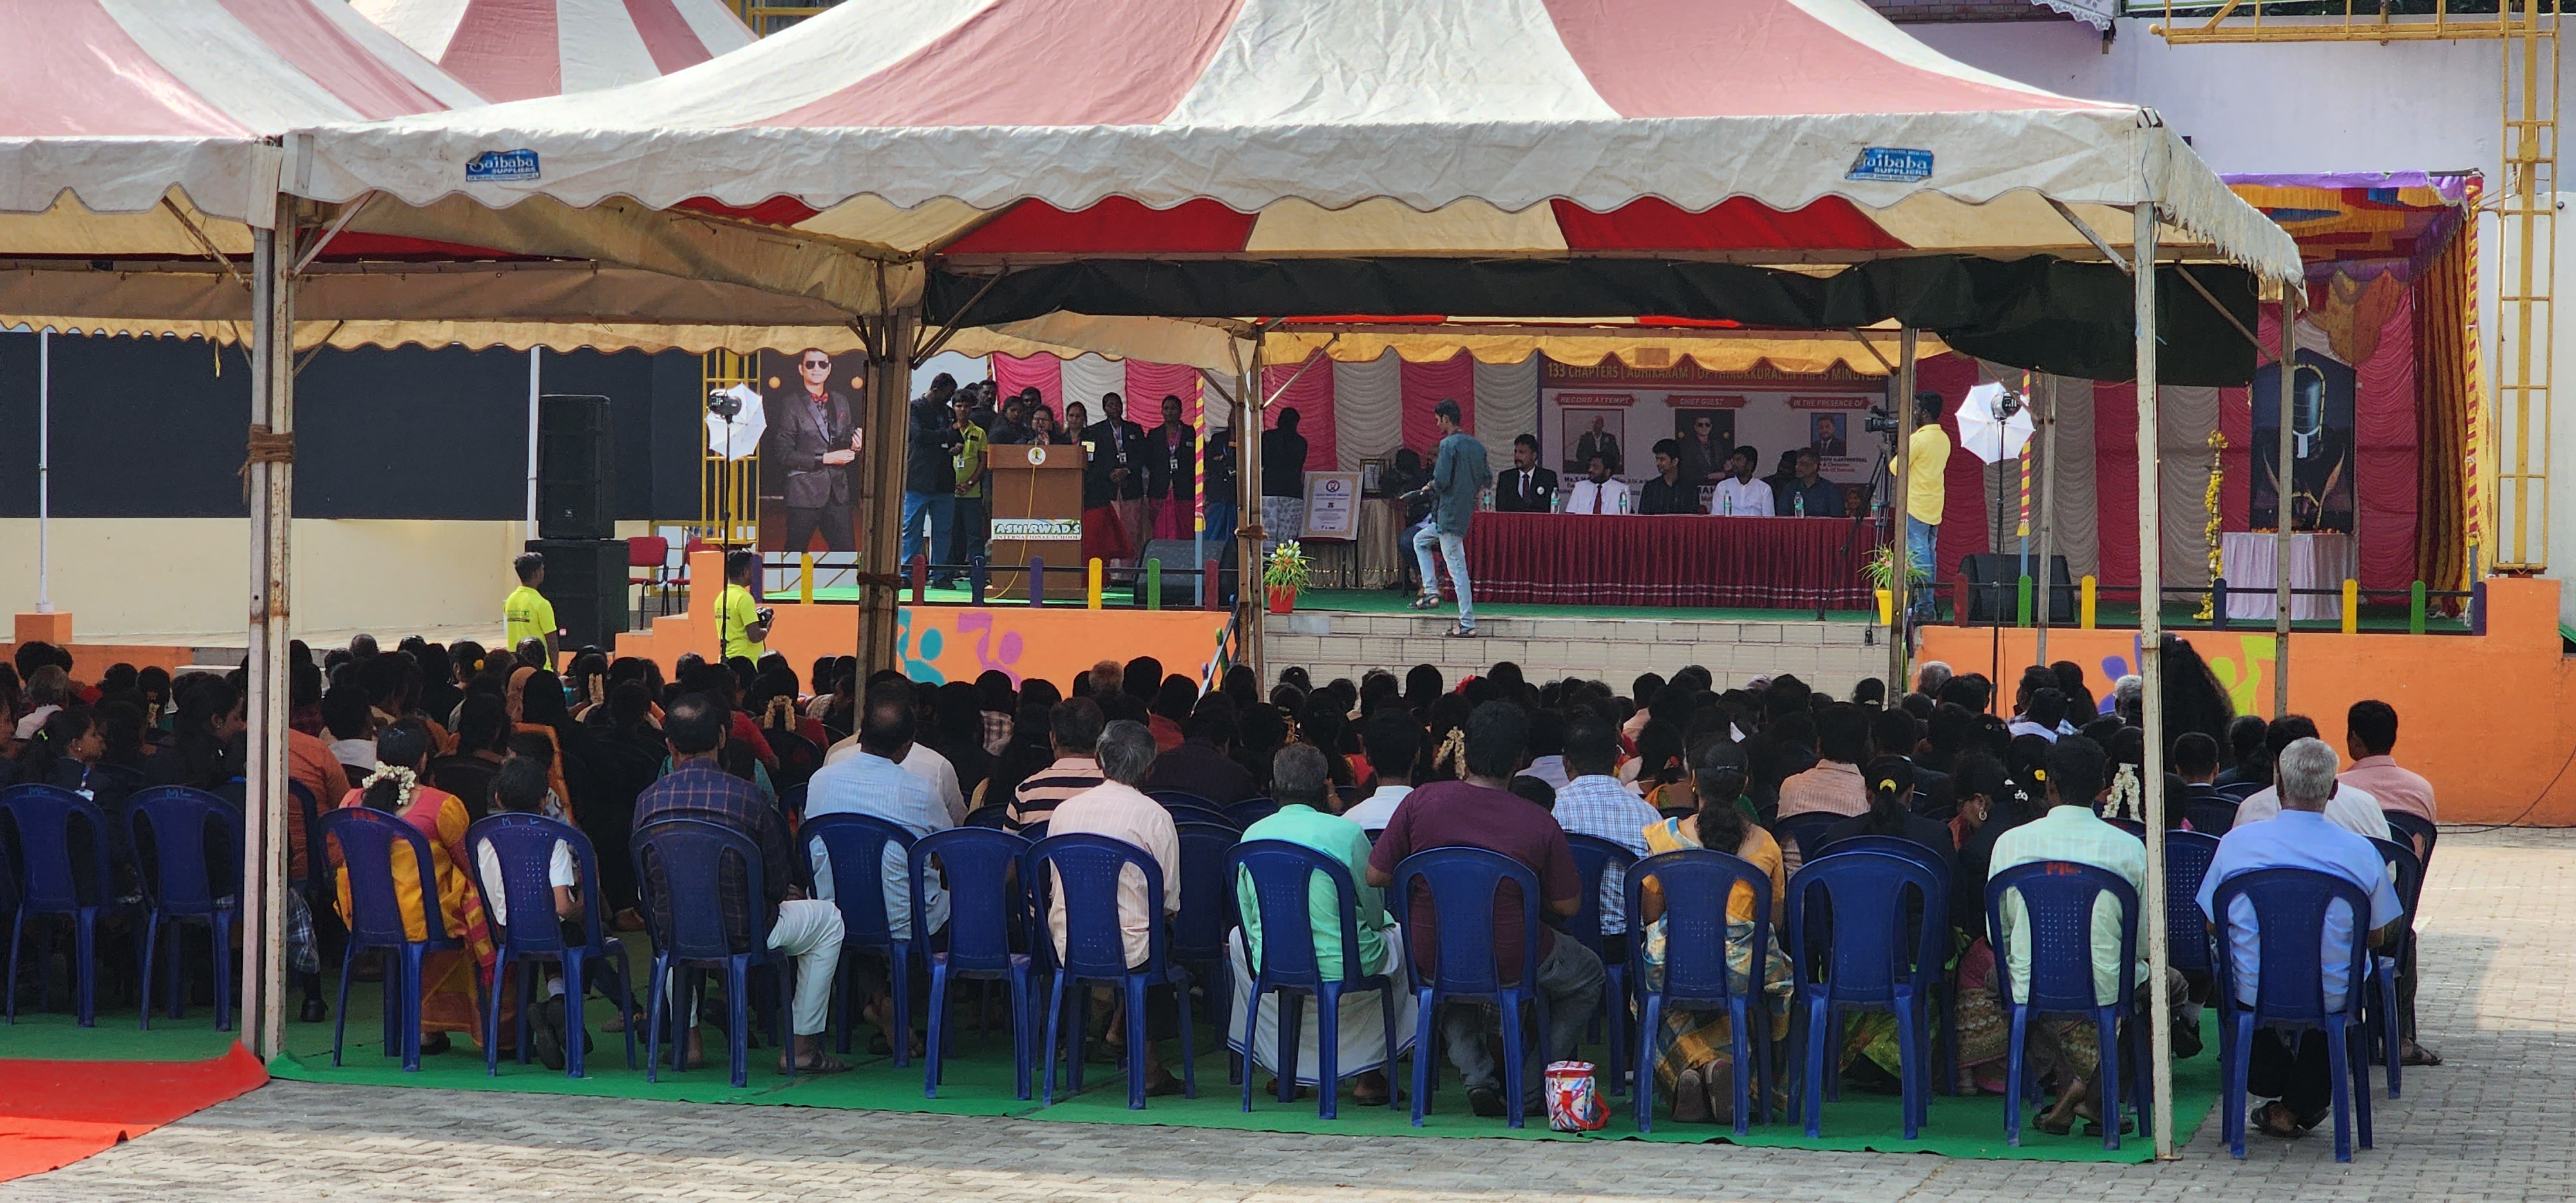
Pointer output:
x,y
576,519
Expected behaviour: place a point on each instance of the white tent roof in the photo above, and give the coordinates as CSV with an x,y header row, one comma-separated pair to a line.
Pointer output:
x,y
1780,131
518,49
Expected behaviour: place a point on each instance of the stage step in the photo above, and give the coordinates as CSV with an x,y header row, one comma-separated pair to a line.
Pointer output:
x,y
1829,655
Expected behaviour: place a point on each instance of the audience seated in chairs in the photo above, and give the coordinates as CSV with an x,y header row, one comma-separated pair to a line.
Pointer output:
x,y
1202,763
806,929
1693,1050
1392,739
1299,780
1117,809
871,781
519,787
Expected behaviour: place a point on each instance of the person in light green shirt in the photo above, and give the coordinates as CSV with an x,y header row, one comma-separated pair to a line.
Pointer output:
x,y
740,618
1301,782
527,612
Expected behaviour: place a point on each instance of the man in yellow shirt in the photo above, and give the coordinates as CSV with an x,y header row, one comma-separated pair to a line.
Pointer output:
x,y
740,618
1925,465
526,611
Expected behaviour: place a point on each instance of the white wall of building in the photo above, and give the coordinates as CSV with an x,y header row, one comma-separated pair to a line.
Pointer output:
x,y
2316,107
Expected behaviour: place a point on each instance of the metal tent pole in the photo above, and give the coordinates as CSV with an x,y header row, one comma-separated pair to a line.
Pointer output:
x,y
888,427
2047,511
2151,928
534,355
270,461
2281,520
44,470
1900,543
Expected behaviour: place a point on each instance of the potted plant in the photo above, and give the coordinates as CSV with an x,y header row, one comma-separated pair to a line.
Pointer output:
x,y
1286,572
1880,571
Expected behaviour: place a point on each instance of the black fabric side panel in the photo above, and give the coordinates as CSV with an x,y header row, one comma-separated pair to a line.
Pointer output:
x,y
2072,319
412,433
142,428
679,431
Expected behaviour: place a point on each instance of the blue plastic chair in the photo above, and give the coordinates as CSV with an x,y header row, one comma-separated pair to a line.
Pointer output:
x,y
1282,879
51,882
2132,826
2058,897
1183,816
1944,989
791,802
1086,869
1250,811
984,907
524,844
1207,913
690,853
1180,797
1462,883
2387,1030
986,816
1867,965
172,821
1698,884
1593,859
2187,857
2239,791
1804,832
369,840
2418,832
857,845
2290,907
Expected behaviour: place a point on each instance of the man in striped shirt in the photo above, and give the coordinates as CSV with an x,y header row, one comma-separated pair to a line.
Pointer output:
x,y
1073,729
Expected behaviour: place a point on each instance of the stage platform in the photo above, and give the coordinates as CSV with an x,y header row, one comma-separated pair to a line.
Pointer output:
x,y
1346,633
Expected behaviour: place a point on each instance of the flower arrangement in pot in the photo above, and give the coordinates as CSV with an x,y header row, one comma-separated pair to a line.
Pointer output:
x,y
1286,572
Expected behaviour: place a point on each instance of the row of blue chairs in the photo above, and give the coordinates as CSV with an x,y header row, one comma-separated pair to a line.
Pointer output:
x,y
46,873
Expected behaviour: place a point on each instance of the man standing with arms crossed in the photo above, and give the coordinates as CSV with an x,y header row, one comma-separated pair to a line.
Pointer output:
x,y
1456,476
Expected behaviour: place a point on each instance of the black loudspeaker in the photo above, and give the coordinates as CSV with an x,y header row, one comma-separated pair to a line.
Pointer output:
x,y
1994,589
1181,592
586,581
576,468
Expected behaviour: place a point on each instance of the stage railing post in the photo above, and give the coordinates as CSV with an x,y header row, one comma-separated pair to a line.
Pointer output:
x,y
2351,606
919,570
1092,593
2218,603
805,577
2415,608
1154,584
976,574
1211,592
1961,593
2022,617
2085,601
1037,581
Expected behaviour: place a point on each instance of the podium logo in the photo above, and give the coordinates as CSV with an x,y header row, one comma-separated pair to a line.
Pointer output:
x,y
1037,456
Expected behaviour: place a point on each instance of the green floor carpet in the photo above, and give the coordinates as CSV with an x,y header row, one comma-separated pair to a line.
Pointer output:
x,y
979,1083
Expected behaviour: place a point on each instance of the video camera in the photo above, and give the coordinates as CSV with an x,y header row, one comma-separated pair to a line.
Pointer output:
x,y
1881,420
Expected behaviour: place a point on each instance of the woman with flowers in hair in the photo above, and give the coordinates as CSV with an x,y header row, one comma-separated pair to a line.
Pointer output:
x,y
451,981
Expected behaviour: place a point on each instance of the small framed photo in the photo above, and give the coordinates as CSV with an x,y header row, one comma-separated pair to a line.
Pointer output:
x,y
1372,477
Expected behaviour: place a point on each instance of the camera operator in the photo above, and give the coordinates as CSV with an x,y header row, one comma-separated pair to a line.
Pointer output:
x,y
1922,468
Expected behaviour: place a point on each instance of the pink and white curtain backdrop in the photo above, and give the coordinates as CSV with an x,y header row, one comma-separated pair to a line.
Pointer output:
x,y
1142,385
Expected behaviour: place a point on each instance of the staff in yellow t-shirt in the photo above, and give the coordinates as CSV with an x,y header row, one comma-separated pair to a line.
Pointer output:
x,y
740,618
527,612
1923,468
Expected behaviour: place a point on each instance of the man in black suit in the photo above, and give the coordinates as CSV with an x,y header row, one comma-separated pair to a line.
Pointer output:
x,y
1171,474
1526,488
1599,441
816,441
1116,474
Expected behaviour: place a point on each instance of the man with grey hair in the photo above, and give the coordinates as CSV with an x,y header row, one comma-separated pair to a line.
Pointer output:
x,y
1301,782
1929,679
1117,809
2297,1072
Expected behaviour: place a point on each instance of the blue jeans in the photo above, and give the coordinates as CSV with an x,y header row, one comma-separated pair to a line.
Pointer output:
x,y
941,508
1220,527
1920,542
1453,548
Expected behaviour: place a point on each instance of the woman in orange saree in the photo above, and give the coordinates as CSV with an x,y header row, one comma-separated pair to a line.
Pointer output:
x,y
452,981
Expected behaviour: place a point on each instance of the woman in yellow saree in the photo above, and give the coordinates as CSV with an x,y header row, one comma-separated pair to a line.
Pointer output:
x,y
452,981
1694,1066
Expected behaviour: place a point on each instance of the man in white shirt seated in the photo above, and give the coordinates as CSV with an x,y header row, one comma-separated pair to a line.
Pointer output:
x,y
1392,740
2350,806
1598,492
872,781
1738,493
922,761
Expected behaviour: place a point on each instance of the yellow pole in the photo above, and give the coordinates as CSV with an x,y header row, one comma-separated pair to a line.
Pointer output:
x,y
805,577
1095,582
2084,606
2351,606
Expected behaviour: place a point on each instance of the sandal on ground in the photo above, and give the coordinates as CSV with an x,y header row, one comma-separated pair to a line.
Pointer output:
x,y
1690,1098
1160,1083
2277,1120
1362,1095
1719,1082
820,1063
1426,602
2417,1054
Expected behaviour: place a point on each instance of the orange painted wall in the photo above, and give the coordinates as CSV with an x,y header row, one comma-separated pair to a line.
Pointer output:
x,y
2490,720
953,643
91,659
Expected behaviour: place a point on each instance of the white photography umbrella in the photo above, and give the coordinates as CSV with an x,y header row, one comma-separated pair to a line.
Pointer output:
x,y
736,435
1994,423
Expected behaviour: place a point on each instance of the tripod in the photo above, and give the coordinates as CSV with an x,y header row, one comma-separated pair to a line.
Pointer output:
x,y
1877,470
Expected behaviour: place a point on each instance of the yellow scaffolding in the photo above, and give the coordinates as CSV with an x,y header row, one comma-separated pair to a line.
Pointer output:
x,y
767,17
728,489
2512,448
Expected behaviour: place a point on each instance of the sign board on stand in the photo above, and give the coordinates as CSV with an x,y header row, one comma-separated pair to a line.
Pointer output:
x,y
1332,505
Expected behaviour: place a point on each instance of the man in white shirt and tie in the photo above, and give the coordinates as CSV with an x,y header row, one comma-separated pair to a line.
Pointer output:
x,y
1597,493
1738,493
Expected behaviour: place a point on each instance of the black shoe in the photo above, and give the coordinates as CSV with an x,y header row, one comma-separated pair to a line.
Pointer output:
x,y
1485,1101
315,1011
547,1033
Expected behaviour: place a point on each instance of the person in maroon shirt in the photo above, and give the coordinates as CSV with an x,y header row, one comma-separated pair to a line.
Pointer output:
x,y
1479,812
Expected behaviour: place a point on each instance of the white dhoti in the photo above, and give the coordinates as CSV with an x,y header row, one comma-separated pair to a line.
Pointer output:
x,y
1282,519
1362,1039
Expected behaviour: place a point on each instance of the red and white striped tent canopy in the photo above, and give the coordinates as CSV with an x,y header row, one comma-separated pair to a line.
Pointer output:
x,y
518,49
1780,129
145,134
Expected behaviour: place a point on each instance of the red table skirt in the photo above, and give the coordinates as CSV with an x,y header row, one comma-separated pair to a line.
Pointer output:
x,y
1670,560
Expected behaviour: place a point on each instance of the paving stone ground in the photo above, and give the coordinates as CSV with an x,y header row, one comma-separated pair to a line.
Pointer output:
x,y
2493,1124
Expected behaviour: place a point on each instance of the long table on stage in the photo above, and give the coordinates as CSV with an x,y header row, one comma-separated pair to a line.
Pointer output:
x,y
1670,560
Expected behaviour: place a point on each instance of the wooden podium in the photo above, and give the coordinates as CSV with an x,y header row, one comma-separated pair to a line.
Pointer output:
x,y
1036,505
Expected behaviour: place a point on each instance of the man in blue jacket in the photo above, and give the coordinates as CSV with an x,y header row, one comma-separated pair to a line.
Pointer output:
x,y
1456,476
